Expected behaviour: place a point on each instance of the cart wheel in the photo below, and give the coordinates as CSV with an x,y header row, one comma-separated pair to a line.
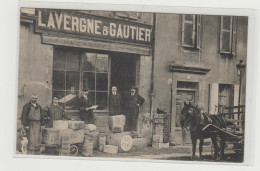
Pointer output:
x,y
74,150
212,149
239,147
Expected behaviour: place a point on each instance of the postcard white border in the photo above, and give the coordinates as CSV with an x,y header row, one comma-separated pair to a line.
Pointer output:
x,y
252,82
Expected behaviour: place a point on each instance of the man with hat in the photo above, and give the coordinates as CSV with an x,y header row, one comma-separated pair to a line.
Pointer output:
x,y
85,107
33,118
134,102
114,102
55,112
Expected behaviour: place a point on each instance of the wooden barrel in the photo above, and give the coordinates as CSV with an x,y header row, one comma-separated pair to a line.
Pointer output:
x,y
50,136
87,149
122,140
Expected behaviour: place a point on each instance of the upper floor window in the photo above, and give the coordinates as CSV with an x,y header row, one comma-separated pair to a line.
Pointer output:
x,y
228,28
191,31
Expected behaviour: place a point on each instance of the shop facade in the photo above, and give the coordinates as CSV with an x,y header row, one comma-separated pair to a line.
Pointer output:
x,y
65,51
171,58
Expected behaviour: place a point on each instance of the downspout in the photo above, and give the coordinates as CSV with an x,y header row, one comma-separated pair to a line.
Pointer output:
x,y
152,75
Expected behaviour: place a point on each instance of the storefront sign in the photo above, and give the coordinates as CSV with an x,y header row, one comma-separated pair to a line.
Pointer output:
x,y
67,23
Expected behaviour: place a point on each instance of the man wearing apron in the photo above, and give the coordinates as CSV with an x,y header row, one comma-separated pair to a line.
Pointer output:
x,y
32,117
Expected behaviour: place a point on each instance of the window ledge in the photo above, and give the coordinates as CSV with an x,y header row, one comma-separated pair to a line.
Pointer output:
x,y
191,47
187,69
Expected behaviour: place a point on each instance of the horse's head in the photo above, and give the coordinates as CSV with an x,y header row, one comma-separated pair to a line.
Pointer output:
x,y
187,113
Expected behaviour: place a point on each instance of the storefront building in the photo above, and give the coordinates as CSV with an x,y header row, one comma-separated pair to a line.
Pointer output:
x,y
171,58
196,58
65,51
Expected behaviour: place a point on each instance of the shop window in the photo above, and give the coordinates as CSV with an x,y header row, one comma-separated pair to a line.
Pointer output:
x,y
191,31
66,75
228,25
95,77
74,70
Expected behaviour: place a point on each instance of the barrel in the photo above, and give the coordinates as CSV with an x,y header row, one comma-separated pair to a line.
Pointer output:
x,y
51,136
87,149
122,140
101,141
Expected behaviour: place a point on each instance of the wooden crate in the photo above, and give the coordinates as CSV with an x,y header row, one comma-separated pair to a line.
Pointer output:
x,y
112,149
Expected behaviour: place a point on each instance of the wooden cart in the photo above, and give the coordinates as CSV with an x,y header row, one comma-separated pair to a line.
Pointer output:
x,y
234,130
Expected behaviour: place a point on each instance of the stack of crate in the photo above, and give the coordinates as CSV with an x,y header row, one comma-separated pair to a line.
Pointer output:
x,y
161,131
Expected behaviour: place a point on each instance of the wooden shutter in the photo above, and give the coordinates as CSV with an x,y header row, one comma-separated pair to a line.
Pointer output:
x,y
213,97
198,31
234,35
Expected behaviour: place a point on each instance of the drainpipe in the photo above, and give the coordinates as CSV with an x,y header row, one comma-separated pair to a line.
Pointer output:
x,y
152,75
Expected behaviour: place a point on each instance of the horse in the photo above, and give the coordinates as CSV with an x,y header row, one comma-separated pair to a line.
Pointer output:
x,y
197,120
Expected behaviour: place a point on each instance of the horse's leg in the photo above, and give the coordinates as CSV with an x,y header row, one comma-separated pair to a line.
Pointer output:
x,y
214,141
223,146
194,142
201,147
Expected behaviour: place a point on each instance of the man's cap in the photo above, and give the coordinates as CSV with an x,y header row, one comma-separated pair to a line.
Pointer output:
x,y
58,97
134,87
85,89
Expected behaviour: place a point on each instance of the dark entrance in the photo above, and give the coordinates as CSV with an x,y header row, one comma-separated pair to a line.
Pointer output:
x,y
123,74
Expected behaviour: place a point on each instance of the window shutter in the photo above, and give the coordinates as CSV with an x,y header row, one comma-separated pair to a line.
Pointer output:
x,y
234,34
221,35
198,31
182,29
213,97
194,30
236,94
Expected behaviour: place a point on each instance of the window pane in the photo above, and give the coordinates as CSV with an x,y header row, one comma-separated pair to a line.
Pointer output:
x,y
89,61
72,81
226,22
59,94
226,41
101,100
59,59
188,34
72,62
189,17
89,80
102,81
71,99
58,80
102,63
91,97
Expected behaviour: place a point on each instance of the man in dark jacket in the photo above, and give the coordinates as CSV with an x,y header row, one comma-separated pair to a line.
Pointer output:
x,y
84,105
114,102
134,102
55,112
32,117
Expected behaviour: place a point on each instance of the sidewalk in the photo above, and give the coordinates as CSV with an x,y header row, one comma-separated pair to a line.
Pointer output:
x,y
152,153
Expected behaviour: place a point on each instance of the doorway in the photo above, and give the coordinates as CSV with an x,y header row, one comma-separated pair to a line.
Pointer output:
x,y
123,74
181,97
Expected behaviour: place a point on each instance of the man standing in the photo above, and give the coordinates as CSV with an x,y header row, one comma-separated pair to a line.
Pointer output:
x,y
134,102
114,102
32,117
55,112
85,107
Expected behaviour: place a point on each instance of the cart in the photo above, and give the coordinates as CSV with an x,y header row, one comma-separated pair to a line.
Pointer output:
x,y
75,144
234,118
